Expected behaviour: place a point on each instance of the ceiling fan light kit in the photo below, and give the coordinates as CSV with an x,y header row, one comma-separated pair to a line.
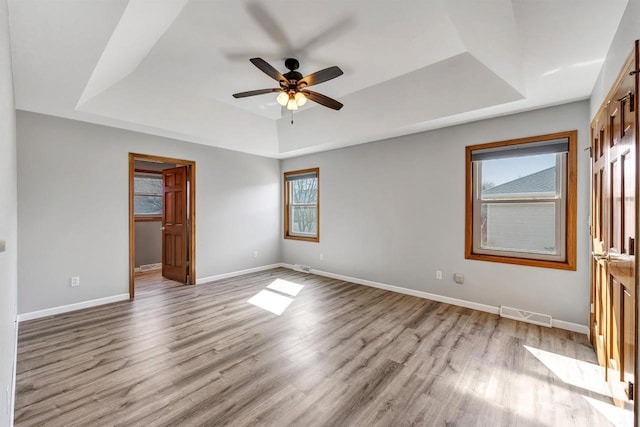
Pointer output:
x,y
292,92
291,100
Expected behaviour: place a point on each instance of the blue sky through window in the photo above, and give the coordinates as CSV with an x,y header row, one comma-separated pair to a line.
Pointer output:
x,y
499,171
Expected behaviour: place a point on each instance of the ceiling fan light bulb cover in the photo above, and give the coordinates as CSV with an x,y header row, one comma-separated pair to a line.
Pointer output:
x,y
283,98
300,99
291,105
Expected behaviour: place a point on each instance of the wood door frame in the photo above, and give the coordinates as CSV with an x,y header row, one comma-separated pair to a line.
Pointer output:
x,y
192,215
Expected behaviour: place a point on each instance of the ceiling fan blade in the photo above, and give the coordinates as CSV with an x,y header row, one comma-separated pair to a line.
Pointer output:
x,y
255,92
320,76
268,69
322,99
329,34
268,23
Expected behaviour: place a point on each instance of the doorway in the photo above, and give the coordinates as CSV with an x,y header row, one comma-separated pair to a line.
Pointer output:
x,y
614,233
162,196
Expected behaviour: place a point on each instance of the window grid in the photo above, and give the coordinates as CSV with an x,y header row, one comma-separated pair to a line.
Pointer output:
x,y
148,200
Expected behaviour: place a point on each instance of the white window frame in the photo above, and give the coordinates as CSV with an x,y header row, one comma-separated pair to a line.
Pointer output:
x,y
157,176
559,199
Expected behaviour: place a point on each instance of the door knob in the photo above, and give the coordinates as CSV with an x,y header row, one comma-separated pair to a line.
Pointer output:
x,y
600,256
163,228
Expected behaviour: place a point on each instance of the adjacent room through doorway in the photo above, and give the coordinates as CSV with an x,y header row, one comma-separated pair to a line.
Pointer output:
x,y
162,226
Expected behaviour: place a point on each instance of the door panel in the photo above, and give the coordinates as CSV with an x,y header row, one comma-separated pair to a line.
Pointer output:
x,y
175,224
629,329
600,294
615,191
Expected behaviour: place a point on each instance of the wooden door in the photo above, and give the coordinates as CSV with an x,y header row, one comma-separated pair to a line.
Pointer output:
x,y
622,199
175,224
613,289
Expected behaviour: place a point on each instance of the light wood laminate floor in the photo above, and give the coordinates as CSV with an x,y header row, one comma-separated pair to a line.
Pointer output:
x,y
340,354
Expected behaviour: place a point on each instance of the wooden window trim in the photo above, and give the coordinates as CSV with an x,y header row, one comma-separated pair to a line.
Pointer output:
x,y
287,235
571,204
151,171
148,218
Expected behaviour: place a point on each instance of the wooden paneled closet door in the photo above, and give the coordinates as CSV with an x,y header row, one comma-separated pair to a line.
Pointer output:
x,y
614,137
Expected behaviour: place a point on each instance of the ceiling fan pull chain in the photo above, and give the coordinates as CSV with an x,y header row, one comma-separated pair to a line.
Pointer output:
x,y
292,117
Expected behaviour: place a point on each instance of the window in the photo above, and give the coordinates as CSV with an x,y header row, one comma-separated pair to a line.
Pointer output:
x,y
147,195
301,207
521,201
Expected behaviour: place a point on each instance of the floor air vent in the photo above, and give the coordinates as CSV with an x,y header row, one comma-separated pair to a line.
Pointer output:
x,y
525,316
150,267
303,268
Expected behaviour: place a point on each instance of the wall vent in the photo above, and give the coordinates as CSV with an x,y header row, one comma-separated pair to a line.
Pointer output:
x,y
526,316
148,267
303,268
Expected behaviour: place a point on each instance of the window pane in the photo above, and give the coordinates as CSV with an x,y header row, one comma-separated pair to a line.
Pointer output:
x,y
304,190
522,227
147,205
303,220
518,177
146,185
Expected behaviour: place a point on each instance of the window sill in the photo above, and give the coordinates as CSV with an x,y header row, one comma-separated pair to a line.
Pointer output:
x,y
560,265
302,238
147,219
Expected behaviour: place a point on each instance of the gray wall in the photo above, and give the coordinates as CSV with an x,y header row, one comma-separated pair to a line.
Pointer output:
x,y
628,31
8,225
73,208
393,212
148,242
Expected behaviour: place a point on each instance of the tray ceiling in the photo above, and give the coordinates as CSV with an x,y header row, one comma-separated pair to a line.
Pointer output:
x,y
169,67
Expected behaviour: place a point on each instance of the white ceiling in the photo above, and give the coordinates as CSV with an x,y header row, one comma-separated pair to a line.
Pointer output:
x,y
169,67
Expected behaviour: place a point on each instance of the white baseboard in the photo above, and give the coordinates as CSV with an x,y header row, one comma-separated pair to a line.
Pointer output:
x,y
569,326
71,307
122,297
561,324
239,273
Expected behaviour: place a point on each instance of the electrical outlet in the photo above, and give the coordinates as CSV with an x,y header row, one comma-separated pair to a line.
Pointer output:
x,y
321,257
255,254
458,278
75,281
439,275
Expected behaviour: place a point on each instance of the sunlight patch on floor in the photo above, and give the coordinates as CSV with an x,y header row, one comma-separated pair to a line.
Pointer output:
x,y
270,301
274,299
618,416
585,375
285,287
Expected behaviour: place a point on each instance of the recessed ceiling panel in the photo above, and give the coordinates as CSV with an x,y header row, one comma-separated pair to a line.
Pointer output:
x,y
452,86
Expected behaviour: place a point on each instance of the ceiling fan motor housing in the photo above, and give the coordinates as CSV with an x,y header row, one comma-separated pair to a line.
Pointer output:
x,y
293,76
291,64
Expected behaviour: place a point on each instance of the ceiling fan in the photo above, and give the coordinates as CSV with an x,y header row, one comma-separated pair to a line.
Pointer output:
x,y
293,86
